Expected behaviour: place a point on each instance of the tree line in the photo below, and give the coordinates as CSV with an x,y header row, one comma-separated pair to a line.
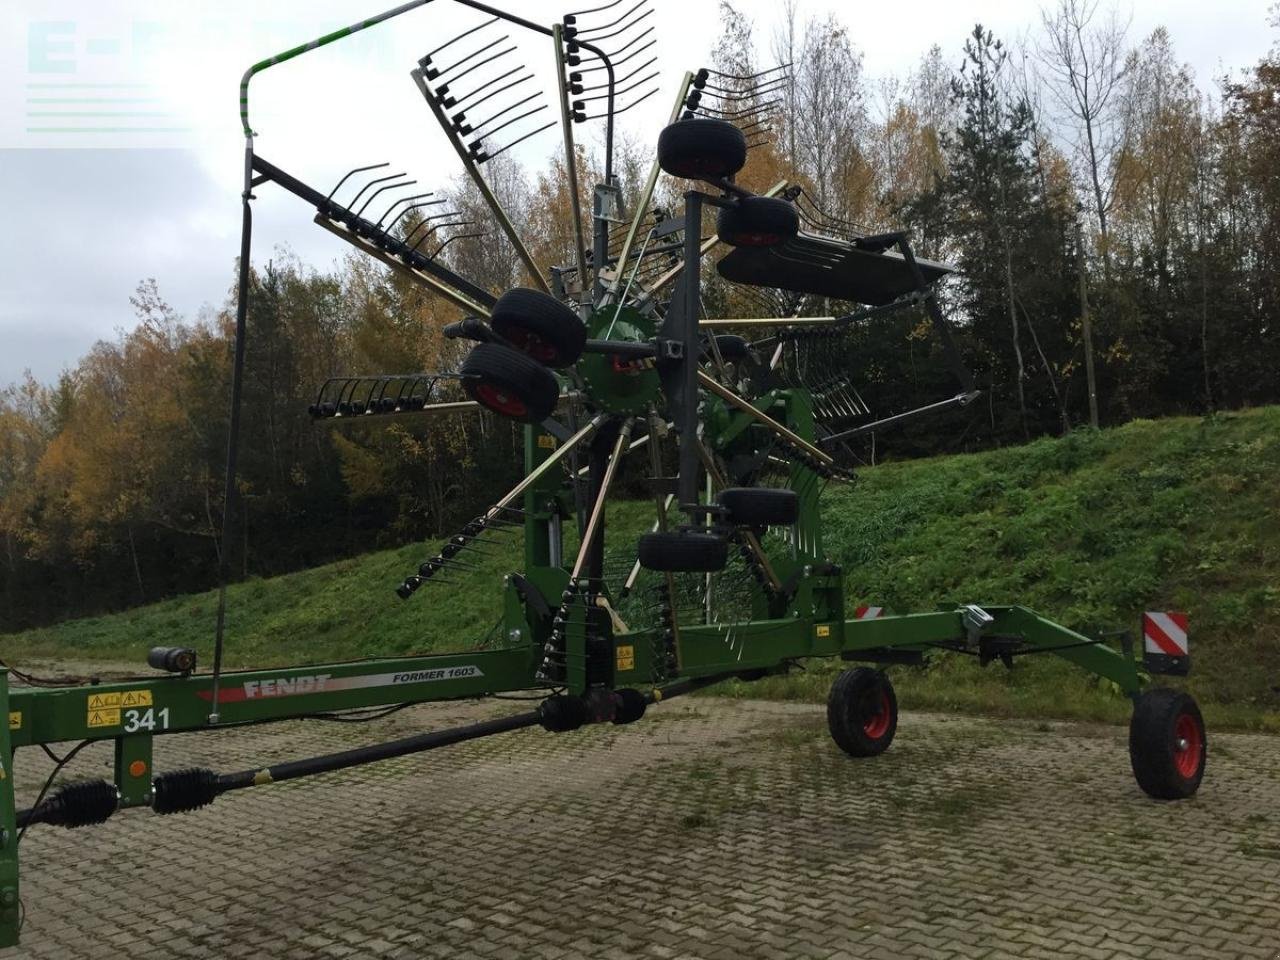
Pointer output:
x,y
1115,221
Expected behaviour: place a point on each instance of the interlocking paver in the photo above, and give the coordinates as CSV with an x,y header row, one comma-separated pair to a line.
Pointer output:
x,y
710,829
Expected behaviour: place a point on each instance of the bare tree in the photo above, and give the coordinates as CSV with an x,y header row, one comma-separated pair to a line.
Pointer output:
x,y
1084,62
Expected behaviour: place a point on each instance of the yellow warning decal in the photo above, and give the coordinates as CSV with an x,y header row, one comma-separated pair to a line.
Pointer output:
x,y
15,719
104,718
104,701
136,698
546,441
824,630
626,657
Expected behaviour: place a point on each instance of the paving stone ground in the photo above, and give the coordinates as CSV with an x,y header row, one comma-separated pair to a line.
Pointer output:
x,y
711,829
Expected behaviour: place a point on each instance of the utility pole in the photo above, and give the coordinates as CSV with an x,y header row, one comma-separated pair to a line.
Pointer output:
x,y
1086,325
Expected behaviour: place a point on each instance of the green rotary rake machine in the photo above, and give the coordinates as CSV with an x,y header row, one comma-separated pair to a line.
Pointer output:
x,y
736,423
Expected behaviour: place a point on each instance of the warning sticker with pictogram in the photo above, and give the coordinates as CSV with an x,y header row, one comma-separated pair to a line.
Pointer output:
x,y
103,701
136,698
1165,631
104,718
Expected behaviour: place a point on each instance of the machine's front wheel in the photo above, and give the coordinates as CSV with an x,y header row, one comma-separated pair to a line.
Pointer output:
x,y
862,712
1167,743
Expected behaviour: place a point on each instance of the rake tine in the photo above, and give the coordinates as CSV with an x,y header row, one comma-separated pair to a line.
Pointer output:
x,y
351,173
389,186
458,236
493,93
485,157
387,212
465,33
603,86
371,183
621,61
475,130
593,38
434,74
621,110
612,23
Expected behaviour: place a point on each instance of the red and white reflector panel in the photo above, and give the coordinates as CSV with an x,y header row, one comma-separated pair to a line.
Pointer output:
x,y
868,613
1165,632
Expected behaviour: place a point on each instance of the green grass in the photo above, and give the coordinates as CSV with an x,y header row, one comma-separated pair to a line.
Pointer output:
x,y
1089,530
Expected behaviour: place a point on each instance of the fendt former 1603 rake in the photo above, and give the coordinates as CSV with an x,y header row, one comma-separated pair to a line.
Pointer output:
x,y
740,423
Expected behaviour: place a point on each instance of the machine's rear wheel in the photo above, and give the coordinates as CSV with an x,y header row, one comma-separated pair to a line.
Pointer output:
x,y
702,147
862,712
1167,743
539,325
757,222
683,551
509,383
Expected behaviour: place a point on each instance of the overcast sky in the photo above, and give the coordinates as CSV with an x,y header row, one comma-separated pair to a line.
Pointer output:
x,y
151,188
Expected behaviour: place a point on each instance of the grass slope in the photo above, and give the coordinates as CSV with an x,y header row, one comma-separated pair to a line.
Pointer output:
x,y
1090,530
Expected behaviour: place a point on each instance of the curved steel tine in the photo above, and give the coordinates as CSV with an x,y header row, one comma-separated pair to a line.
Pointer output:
x,y
439,74
516,119
475,130
356,198
604,86
722,93
389,186
351,173
589,35
607,6
436,227
457,236
531,133
460,101
416,196
427,220
749,76
606,26
745,111
487,60
348,390
619,62
465,33
755,123
622,91
415,206
621,110
625,47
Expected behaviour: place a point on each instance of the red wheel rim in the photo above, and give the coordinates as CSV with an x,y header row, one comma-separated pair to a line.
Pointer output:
x,y
532,344
499,401
1188,746
876,725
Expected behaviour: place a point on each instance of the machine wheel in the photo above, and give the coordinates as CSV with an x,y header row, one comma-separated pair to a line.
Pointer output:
x,y
760,506
862,712
701,147
539,325
1167,743
683,551
757,222
509,383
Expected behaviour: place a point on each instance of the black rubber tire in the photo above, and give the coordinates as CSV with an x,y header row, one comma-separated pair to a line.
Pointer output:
x,y
683,551
540,325
757,222
862,712
702,148
509,383
760,506
1162,719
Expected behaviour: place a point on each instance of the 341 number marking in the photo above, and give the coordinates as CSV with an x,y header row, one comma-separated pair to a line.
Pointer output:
x,y
150,719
